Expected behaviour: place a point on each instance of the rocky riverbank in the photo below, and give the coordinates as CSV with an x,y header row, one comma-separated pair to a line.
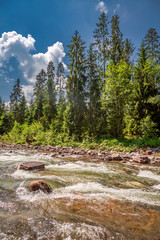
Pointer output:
x,y
151,156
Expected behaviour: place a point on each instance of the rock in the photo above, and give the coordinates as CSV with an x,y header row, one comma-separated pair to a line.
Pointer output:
x,y
141,159
108,158
32,166
39,185
116,157
135,184
148,152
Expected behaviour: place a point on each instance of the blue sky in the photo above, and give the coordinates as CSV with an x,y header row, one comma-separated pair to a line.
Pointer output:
x,y
29,27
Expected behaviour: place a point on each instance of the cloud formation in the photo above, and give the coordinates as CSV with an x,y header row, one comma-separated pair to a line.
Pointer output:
x,y
15,45
102,7
116,8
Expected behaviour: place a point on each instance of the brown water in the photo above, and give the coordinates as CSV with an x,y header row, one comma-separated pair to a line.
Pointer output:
x,y
89,201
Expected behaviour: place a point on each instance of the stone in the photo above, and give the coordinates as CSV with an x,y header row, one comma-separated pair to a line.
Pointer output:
x,y
116,157
39,185
135,184
32,166
148,152
141,159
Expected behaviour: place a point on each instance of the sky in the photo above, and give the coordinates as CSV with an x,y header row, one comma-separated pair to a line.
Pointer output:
x,y
34,32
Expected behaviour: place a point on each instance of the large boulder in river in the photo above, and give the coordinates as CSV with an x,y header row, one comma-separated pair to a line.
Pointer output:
x,y
39,185
32,166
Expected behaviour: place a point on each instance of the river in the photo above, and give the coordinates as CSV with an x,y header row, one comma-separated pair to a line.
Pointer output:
x,y
89,201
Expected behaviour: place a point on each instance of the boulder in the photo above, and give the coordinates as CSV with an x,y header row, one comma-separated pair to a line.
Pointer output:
x,y
32,166
116,157
148,152
39,185
141,159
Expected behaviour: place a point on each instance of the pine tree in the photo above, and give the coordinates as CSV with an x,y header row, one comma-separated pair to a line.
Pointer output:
x,y
118,87
22,110
50,108
152,45
2,107
116,41
60,81
75,112
15,99
94,93
128,50
39,93
102,41
143,107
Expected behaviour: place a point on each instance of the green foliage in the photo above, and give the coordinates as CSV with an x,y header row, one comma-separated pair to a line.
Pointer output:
x,y
116,42
118,87
5,123
104,98
76,106
148,128
101,36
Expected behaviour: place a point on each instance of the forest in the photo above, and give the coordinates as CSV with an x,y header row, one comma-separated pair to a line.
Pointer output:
x,y
106,94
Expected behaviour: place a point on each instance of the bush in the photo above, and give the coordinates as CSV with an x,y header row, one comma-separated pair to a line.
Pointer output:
x,y
148,128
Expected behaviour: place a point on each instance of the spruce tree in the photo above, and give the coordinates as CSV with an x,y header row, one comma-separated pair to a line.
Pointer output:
x,y
143,107
115,97
101,36
128,50
50,108
22,109
39,93
152,45
94,93
2,107
15,99
116,41
60,81
75,112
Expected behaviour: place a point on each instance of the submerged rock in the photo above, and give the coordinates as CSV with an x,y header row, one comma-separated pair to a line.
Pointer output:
x,y
32,166
39,185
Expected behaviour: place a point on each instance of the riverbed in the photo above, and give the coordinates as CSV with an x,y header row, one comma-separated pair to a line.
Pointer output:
x,y
89,200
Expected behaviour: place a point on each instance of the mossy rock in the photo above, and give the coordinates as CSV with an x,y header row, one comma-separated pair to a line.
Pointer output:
x,y
135,184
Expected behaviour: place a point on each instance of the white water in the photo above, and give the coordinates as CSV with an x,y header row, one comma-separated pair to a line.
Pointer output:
x,y
78,180
149,174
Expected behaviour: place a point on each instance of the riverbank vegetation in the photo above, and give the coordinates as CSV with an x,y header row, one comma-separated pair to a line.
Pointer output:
x,y
106,100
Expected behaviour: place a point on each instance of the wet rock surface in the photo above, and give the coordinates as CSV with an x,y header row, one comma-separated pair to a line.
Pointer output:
x,y
39,185
150,156
32,166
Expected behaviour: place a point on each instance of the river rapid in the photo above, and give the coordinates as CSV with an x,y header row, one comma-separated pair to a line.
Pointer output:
x,y
89,200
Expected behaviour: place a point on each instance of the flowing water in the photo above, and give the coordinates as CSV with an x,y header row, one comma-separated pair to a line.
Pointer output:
x,y
89,201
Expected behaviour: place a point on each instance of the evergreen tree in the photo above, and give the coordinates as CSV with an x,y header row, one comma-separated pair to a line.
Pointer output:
x,y
60,81
94,93
152,45
75,113
22,110
2,107
15,99
118,87
50,107
39,93
143,105
128,50
102,41
116,41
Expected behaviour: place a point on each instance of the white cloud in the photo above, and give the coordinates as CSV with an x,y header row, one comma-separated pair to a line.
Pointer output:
x,y
13,44
116,8
102,7
28,91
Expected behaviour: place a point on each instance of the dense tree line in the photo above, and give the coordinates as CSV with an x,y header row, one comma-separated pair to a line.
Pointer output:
x,y
106,93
